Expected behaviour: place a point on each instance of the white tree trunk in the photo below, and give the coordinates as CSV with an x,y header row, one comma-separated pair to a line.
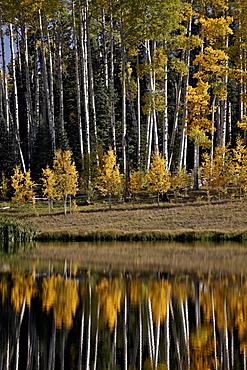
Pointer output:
x,y
5,84
112,88
78,88
83,14
47,89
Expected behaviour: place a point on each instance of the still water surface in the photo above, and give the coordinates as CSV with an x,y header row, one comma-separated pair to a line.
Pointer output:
x,y
75,317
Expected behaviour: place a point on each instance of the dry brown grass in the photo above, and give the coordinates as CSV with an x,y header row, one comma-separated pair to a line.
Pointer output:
x,y
225,216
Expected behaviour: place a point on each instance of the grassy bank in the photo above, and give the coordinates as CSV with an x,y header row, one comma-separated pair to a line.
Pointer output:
x,y
225,220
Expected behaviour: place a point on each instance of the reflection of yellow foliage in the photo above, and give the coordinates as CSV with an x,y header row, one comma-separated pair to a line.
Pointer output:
x,y
23,288
159,293
61,295
110,300
135,292
4,288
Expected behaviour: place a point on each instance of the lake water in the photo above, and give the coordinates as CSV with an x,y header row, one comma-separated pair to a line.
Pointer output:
x,y
78,318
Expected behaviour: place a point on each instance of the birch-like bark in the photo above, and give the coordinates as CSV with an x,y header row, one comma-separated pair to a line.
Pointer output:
x,y
105,53
184,138
112,87
92,97
51,74
78,88
16,105
138,118
196,166
83,14
30,133
36,89
60,79
212,134
124,125
5,83
175,122
47,88
165,117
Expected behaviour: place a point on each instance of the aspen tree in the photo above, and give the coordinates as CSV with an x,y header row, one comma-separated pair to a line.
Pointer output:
x,y
158,178
198,104
135,183
23,187
109,179
66,175
49,185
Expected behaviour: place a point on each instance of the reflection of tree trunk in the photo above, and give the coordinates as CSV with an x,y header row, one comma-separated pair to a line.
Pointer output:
x,y
227,361
140,335
81,340
114,346
167,332
89,328
174,331
134,356
197,303
51,360
18,335
29,344
7,354
62,351
96,337
125,334
157,340
150,332
215,339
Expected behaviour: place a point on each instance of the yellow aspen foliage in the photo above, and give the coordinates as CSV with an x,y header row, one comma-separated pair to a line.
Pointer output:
x,y
180,181
239,164
49,185
160,294
243,123
23,289
109,178
4,289
215,29
206,170
60,181
158,178
110,300
60,295
23,187
4,186
198,104
135,292
65,173
49,182
135,183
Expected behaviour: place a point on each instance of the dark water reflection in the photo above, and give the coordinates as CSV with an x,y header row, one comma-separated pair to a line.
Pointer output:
x,y
122,321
